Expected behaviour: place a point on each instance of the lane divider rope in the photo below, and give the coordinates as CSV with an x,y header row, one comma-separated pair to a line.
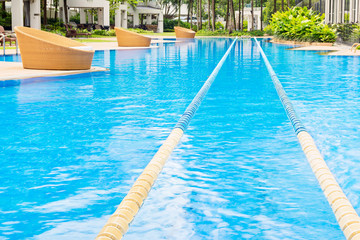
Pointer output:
x,y
345,214
119,221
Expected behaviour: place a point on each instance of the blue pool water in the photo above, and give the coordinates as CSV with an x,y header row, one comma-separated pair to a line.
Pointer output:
x,y
71,147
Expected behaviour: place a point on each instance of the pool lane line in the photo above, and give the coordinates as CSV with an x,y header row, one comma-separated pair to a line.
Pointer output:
x,y
345,214
118,223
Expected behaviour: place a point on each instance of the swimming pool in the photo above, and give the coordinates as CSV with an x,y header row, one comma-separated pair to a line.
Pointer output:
x,y
73,146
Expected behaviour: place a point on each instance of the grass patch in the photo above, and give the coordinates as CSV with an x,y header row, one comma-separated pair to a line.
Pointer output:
x,y
6,48
89,40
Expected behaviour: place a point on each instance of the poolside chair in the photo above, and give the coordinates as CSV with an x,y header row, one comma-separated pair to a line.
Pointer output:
x,y
181,32
8,37
127,38
44,50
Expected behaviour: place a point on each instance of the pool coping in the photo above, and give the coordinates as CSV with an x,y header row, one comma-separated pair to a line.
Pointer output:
x,y
22,73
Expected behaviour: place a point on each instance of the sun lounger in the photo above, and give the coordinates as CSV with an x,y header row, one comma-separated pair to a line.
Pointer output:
x,y
181,32
127,38
44,50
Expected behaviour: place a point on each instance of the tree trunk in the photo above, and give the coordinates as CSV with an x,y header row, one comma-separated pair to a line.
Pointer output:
x,y
282,5
191,13
66,11
227,15
309,4
232,15
214,15
288,3
188,14
197,15
261,15
252,15
45,12
274,6
200,13
238,26
242,15
56,8
179,12
209,15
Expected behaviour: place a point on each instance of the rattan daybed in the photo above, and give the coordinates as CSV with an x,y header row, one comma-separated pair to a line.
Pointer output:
x,y
127,38
181,32
44,50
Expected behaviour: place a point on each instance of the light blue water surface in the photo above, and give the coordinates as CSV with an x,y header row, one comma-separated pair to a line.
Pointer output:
x,y
72,146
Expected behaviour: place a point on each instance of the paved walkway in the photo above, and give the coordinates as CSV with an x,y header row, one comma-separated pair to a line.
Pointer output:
x,y
15,70
336,50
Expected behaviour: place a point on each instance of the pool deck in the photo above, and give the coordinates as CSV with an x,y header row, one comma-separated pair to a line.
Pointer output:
x,y
110,43
15,70
335,50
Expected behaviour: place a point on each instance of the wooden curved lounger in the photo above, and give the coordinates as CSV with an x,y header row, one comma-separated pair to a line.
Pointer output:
x,y
44,50
181,32
127,38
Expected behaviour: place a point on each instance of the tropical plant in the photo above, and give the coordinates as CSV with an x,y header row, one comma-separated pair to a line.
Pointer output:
x,y
206,32
345,31
301,24
170,24
269,9
255,33
5,19
103,32
75,18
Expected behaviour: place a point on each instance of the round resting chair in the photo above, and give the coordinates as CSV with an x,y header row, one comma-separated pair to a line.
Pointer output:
x,y
127,38
44,50
181,32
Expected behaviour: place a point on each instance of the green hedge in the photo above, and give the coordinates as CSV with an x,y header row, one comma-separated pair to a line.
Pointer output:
x,y
5,19
255,33
301,24
103,32
170,24
205,32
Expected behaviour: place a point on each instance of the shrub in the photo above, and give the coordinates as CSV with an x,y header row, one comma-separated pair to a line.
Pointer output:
x,y
345,31
138,30
99,32
268,30
75,18
301,24
170,24
255,33
219,25
355,36
206,32
5,19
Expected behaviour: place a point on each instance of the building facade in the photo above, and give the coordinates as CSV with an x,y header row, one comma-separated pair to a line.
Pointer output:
x,y
341,11
28,13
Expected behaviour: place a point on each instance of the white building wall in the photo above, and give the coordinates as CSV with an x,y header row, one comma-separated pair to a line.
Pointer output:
x,y
35,14
335,11
103,15
247,17
17,13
